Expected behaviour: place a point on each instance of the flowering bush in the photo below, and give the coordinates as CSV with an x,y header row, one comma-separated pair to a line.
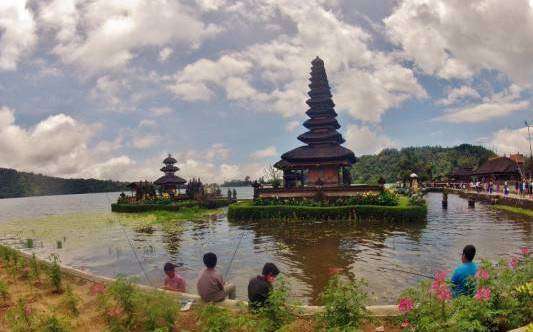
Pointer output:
x,y
385,198
503,300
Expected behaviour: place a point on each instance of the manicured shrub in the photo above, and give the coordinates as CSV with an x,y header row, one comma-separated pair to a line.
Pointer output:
x,y
345,305
246,211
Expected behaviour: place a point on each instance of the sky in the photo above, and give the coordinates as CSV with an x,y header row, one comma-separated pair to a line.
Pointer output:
x,y
107,88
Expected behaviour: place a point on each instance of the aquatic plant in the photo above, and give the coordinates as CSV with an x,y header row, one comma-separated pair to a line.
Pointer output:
x,y
29,243
344,304
54,273
70,302
35,271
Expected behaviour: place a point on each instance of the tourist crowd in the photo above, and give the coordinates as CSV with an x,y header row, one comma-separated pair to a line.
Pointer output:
x,y
522,188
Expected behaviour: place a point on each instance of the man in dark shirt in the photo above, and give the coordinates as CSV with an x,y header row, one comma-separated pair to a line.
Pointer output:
x,y
259,287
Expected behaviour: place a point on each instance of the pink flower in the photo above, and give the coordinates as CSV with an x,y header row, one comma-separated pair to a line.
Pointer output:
x,y
27,311
96,289
335,270
441,276
482,274
405,324
513,263
483,294
525,251
444,294
114,312
406,304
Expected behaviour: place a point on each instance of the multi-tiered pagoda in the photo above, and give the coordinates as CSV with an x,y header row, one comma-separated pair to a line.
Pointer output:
x,y
169,182
323,161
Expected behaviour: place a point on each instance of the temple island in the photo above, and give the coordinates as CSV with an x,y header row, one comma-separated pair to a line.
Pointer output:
x,y
170,193
316,176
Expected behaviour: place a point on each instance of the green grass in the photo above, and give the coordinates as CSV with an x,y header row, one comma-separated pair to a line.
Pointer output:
x,y
515,210
403,201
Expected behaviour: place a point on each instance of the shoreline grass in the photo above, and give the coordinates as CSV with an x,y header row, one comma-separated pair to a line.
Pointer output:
x,y
514,210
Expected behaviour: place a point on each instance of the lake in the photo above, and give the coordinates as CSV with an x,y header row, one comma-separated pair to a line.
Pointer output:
x,y
96,240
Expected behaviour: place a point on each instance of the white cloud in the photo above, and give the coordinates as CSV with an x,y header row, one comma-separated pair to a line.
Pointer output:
x,y
363,140
462,93
497,105
145,141
113,31
158,111
165,53
272,76
17,32
217,151
506,141
292,125
455,38
265,153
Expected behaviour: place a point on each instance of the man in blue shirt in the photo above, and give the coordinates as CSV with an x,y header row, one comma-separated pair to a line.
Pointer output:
x,y
460,278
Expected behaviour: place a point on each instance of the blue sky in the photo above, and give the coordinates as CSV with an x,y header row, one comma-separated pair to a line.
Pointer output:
x,y
106,88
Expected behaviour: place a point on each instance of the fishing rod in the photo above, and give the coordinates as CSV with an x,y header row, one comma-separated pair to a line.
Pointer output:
x,y
233,257
408,272
131,247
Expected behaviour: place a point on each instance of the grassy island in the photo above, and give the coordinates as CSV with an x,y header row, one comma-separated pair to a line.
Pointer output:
x,y
515,210
169,205
384,206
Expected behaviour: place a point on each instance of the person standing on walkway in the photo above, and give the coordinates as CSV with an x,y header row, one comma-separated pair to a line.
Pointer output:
x,y
506,189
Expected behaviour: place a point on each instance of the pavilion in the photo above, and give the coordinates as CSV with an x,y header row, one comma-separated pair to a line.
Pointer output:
x,y
323,160
170,183
322,164
500,169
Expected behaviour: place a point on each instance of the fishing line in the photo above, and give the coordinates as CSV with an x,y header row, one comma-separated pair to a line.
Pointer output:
x,y
408,272
233,257
131,246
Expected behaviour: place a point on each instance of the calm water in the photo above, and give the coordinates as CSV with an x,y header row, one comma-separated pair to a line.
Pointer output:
x,y
97,240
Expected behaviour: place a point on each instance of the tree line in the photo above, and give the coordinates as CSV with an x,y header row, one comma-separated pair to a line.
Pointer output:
x,y
21,184
428,162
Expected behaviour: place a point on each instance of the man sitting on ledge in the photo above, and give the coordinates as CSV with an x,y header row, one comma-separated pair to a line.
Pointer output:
x,y
211,286
259,287
460,278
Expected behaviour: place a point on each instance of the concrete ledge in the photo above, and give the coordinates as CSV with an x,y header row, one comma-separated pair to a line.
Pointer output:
x,y
376,310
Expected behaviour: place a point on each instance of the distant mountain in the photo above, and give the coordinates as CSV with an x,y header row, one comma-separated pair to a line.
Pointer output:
x,y
21,184
428,162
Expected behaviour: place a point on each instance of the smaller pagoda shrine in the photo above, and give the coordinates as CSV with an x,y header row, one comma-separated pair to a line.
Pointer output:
x,y
170,182
323,161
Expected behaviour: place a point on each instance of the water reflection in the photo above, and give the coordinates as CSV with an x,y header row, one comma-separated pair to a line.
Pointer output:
x,y
305,252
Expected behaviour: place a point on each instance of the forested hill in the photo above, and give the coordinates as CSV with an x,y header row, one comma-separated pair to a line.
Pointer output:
x,y
427,162
20,184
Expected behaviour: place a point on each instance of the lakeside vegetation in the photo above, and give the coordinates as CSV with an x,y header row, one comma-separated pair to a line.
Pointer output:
x,y
514,210
40,297
428,162
22,184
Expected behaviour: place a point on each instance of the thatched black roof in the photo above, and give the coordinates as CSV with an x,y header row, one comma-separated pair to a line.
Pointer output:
x,y
170,179
323,141
169,160
499,165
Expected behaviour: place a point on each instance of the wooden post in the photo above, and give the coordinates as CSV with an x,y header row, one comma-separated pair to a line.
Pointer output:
x,y
471,203
444,200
